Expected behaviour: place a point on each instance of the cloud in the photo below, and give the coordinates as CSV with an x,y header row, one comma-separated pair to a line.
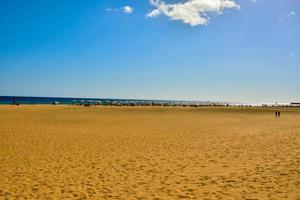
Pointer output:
x,y
291,54
192,12
291,13
128,9
125,9
109,9
286,16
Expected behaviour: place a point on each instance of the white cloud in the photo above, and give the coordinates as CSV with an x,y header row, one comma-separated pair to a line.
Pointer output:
x,y
125,9
192,12
128,9
291,54
291,13
254,1
288,15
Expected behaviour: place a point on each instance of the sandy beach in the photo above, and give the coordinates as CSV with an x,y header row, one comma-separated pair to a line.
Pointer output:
x,y
69,152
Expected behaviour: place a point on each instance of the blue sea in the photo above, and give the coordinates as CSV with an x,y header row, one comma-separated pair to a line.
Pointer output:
x,y
60,100
69,100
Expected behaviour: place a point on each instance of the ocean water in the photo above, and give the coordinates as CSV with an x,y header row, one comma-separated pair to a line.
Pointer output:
x,y
68,100
63,100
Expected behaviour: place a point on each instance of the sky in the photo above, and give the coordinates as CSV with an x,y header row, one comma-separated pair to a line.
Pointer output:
x,y
218,50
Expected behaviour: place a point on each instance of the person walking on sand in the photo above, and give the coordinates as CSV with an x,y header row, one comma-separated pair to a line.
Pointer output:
x,y
276,114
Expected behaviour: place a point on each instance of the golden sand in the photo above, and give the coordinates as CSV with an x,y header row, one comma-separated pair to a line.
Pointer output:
x,y
60,152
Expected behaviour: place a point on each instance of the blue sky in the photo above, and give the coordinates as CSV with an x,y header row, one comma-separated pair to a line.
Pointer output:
x,y
248,51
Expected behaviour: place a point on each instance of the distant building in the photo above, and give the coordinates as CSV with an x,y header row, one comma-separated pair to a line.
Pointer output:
x,y
295,104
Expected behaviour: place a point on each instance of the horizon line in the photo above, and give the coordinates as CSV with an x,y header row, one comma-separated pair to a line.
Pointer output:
x,y
144,99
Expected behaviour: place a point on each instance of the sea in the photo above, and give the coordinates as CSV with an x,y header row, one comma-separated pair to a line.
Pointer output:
x,y
31,100
68,100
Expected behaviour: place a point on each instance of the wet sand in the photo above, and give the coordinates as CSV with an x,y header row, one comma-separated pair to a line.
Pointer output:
x,y
68,152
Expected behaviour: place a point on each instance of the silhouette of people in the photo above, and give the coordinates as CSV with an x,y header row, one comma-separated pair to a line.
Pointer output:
x,y
277,114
